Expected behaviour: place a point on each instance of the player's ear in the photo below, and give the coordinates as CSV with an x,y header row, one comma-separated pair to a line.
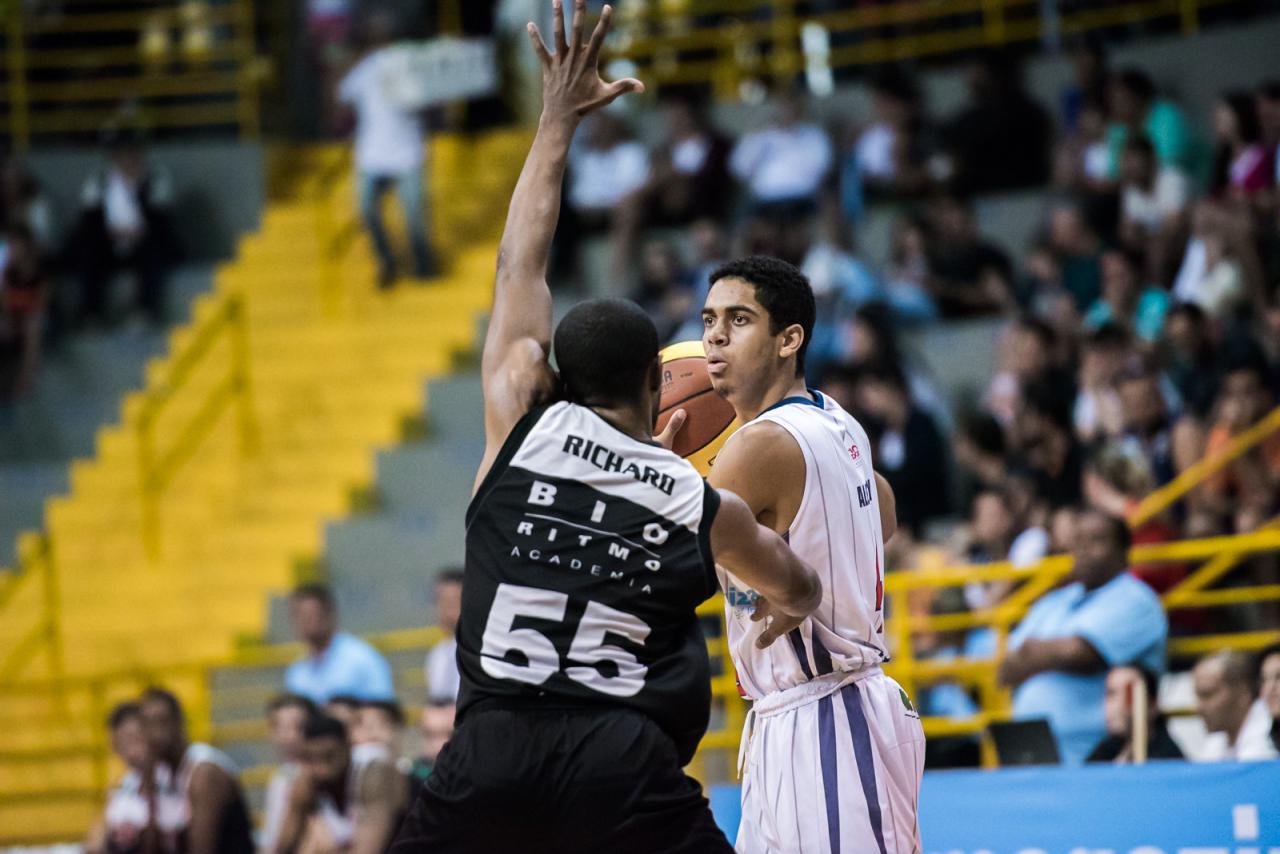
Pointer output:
x,y
655,375
791,339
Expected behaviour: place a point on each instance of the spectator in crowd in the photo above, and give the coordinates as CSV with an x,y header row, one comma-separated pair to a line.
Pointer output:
x,y
22,203
345,709
1044,446
389,143
1237,721
203,781
1028,356
287,714
1001,140
609,170
981,454
1105,354
784,163
841,283
1082,161
337,804
907,275
1269,688
664,290
1090,75
24,295
1078,249
1216,268
442,659
1136,110
130,822
435,728
690,176
1190,358
124,225
888,153
1243,164
1126,300
1102,617
968,275
1267,103
1118,710
381,723
909,448
335,662
1154,202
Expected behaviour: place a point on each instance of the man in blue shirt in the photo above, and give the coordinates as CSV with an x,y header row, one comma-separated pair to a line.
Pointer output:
x,y
336,662
1102,617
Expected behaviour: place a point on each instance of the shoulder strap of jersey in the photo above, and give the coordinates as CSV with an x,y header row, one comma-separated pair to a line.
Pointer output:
x,y
710,506
508,450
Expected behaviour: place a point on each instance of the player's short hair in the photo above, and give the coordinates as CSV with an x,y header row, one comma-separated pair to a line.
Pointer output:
x,y
122,714
782,289
166,698
450,575
605,349
321,725
290,701
317,592
390,708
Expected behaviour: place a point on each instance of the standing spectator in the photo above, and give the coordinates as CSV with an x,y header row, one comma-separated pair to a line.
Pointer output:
x,y
784,163
389,151
442,660
1269,688
1137,111
968,275
1102,617
1045,447
129,823
287,714
24,294
337,804
1243,165
1238,723
23,203
1126,300
124,225
335,662
203,781
1117,709
690,177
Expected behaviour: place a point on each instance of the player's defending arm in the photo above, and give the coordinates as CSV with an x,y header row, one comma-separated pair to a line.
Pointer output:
x,y
514,365
789,588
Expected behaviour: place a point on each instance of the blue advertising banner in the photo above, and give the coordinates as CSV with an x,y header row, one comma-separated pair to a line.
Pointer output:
x,y
1162,808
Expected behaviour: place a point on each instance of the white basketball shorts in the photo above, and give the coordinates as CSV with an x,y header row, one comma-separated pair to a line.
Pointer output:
x,y
833,765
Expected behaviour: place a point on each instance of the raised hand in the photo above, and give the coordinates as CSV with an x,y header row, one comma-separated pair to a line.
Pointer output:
x,y
571,83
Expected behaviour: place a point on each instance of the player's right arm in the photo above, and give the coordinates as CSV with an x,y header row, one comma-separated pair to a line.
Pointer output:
x,y
888,504
514,367
789,587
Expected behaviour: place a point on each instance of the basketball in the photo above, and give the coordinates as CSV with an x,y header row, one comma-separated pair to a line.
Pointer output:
x,y
686,385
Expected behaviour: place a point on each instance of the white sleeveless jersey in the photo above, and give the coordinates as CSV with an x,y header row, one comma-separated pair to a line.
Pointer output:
x,y
837,532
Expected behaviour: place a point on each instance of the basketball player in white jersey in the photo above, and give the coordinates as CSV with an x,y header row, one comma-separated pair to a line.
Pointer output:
x,y
834,751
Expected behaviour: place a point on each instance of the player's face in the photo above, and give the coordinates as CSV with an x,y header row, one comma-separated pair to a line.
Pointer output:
x,y
1271,684
741,351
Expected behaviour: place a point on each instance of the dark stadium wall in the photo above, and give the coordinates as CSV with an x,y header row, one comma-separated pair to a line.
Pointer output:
x,y
218,187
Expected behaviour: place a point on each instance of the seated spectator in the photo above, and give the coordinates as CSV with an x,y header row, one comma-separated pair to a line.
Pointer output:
x,y
1082,161
605,170
1213,273
841,283
981,453
124,225
1191,363
1078,249
709,250
1001,139
910,451
24,295
1028,356
1089,69
1154,203
690,175
22,203
968,275
1269,690
337,804
335,662
1118,703
435,728
1136,110
1102,617
203,786
906,278
130,823
665,290
1045,447
380,723
1106,353
345,709
442,659
287,714
1238,723
1126,300
784,163
1243,165
887,154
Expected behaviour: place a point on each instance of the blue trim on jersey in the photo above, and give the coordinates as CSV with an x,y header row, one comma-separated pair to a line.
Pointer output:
x,y
797,643
865,758
820,655
804,401
830,778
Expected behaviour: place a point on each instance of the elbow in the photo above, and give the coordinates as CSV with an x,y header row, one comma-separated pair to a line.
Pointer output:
x,y
805,594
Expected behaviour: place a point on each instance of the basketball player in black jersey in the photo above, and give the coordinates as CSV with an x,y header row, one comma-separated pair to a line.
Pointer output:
x,y
585,679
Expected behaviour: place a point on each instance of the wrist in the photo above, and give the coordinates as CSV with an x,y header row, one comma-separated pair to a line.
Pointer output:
x,y
558,126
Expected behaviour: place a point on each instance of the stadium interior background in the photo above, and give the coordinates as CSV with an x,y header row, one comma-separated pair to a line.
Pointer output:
x,y
1045,240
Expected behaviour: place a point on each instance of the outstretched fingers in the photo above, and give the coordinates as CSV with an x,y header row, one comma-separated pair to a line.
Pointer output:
x,y
557,28
598,34
579,24
539,47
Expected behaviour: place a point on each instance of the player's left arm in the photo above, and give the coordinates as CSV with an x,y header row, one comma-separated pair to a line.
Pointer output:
x,y
380,799
888,508
1070,655
514,368
210,794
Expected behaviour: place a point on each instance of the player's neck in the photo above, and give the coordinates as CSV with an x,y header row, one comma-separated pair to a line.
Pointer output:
x,y
628,420
749,406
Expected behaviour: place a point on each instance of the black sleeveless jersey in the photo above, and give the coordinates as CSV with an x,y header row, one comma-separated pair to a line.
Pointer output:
x,y
587,553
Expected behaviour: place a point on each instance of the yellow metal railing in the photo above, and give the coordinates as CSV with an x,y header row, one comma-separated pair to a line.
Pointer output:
x,y
725,43
152,65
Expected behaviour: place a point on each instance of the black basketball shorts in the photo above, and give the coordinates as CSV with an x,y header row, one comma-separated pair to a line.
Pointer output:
x,y
559,780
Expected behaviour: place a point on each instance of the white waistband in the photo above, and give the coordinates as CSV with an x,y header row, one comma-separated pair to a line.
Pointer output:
x,y
808,692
